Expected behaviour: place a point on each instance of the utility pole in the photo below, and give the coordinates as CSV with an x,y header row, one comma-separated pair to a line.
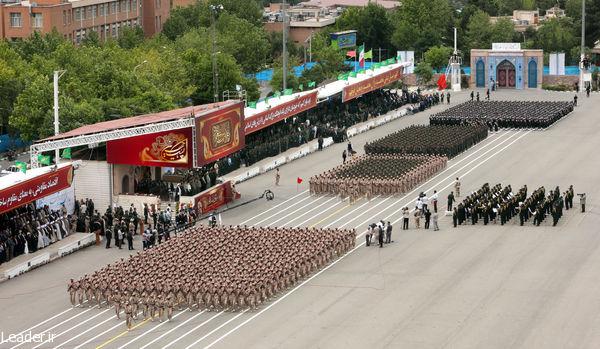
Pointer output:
x,y
582,69
213,11
57,75
284,44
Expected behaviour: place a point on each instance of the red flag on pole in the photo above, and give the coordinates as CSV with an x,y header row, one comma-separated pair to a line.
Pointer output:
x,y
351,53
299,180
442,82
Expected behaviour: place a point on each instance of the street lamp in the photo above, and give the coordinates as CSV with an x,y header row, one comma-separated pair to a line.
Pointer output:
x,y
139,65
57,75
214,10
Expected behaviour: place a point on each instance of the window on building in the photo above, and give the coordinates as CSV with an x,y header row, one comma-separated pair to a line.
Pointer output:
x,y
101,10
77,14
65,18
113,6
94,11
16,21
134,5
37,20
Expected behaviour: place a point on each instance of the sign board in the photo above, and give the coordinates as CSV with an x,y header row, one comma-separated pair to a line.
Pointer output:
x,y
165,149
376,82
407,56
220,133
215,197
557,63
280,112
345,39
35,188
506,46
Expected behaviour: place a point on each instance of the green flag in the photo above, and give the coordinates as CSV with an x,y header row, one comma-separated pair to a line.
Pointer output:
x,y
277,94
343,76
352,74
66,153
267,99
288,91
21,166
362,71
252,104
312,84
301,87
369,54
44,159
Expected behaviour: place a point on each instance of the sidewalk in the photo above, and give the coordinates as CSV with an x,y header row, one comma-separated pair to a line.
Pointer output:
x,y
30,261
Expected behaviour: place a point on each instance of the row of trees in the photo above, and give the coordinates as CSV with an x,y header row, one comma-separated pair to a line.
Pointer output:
x,y
132,75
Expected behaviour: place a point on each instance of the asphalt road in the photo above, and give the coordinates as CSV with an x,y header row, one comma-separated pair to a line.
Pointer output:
x,y
467,287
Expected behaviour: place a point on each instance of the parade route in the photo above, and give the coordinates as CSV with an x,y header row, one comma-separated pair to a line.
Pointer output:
x,y
468,287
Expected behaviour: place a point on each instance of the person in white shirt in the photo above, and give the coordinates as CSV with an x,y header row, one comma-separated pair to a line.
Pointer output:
x,y
434,200
425,201
419,204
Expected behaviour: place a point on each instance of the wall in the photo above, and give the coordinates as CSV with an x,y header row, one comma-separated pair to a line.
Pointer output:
x,y
568,80
92,180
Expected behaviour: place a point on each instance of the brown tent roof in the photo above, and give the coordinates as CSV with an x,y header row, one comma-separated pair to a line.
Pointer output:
x,y
140,120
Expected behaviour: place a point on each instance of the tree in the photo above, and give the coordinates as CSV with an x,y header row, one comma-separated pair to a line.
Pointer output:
x,y
423,24
372,23
479,31
244,41
556,35
424,72
131,37
438,56
32,113
277,80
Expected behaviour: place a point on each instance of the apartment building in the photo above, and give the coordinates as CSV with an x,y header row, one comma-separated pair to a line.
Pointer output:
x,y
75,19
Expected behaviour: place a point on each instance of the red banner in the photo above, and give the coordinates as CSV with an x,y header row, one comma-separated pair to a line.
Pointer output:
x,y
220,133
35,188
360,88
280,112
215,197
172,148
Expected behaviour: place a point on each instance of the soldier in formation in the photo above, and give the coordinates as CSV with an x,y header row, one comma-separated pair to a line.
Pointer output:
x,y
504,114
250,265
369,175
433,140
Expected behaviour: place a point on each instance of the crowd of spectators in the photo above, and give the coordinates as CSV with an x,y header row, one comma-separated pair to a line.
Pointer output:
x,y
27,229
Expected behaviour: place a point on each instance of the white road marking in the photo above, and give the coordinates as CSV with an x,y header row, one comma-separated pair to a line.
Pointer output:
x,y
55,326
171,330
351,251
272,208
216,329
150,330
84,332
288,207
192,330
69,329
40,324
314,208
102,333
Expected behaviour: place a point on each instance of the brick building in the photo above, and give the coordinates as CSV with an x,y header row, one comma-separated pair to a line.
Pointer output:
x,y
74,19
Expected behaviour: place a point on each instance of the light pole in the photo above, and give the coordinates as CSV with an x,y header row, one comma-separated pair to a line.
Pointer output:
x,y
581,65
284,45
57,76
139,65
214,9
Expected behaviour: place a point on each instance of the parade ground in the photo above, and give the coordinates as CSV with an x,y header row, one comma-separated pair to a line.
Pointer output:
x,y
476,286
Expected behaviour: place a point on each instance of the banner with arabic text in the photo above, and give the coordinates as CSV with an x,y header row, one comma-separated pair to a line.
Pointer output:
x,y
220,133
371,84
280,112
171,148
35,188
